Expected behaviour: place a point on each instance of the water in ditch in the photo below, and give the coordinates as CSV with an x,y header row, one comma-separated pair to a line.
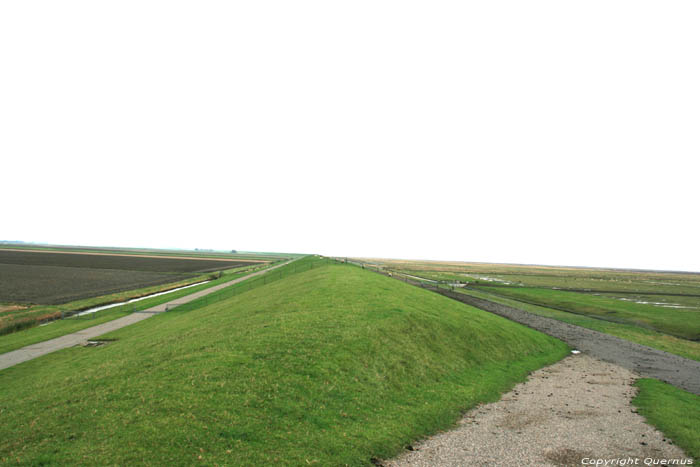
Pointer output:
x,y
112,305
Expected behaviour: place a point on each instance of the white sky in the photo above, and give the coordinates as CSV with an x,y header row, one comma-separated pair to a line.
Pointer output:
x,y
550,132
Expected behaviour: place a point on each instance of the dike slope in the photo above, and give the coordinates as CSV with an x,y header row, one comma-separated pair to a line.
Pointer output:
x,y
331,366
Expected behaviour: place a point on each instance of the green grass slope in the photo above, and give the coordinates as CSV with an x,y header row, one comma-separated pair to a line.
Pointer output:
x,y
673,411
331,366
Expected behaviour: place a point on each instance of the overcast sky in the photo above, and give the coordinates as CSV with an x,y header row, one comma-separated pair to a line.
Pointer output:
x,y
549,132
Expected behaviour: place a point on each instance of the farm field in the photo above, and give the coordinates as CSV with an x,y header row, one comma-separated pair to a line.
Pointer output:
x,y
243,381
53,278
657,309
248,256
53,285
57,328
39,286
121,262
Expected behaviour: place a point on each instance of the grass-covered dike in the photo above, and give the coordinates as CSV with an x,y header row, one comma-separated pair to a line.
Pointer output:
x,y
331,366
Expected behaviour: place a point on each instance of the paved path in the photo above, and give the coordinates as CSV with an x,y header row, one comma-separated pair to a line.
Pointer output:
x,y
570,413
77,338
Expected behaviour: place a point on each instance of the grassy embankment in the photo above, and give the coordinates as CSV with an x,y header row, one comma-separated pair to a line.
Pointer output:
x,y
330,366
673,411
61,327
626,330
673,328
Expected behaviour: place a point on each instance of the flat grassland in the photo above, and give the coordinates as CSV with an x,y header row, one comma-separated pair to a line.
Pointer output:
x,y
653,308
675,320
330,366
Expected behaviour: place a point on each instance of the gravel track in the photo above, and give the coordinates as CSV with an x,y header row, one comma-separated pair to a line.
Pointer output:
x,y
576,409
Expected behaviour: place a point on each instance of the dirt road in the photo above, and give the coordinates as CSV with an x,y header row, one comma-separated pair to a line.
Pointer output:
x,y
570,413
77,338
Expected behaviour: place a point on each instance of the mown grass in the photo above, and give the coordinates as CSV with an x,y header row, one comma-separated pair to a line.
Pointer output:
x,y
61,327
305,263
681,323
643,336
333,366
673,411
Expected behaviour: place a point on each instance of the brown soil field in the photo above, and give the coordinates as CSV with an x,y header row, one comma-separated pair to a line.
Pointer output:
x,y
141,255
52,285
124,262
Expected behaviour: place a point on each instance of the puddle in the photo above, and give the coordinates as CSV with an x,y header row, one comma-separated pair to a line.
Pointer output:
x,y
488,279
112,305
643,302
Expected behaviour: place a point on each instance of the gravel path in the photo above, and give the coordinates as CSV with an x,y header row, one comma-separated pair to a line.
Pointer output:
x,y
33,351
575,409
